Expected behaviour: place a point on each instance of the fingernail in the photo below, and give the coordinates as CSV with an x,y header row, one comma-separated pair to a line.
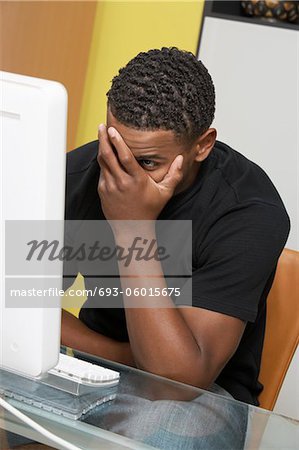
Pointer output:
x,y
180,161
102,127
112,132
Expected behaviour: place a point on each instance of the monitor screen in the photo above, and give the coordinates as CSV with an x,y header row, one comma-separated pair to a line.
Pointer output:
x,y
33,116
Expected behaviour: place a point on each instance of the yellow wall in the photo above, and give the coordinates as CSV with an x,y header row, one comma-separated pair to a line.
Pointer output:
x,y
123,29
41,39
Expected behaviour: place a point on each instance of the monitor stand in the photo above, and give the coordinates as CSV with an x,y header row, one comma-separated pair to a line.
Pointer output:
x,y
53,394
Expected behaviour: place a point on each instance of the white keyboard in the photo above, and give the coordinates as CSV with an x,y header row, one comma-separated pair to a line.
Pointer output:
x,y
84,372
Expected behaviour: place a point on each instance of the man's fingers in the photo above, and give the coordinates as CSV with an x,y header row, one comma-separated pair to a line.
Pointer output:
x,y
106,175
125,155
174,174
107,154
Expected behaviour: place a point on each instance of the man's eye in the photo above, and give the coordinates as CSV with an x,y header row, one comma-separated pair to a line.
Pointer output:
x,y
147,163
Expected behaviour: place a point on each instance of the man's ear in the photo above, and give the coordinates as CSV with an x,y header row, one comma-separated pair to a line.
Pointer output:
x,y
204,144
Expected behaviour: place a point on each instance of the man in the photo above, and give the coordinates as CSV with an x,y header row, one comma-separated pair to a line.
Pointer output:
x,y
157,158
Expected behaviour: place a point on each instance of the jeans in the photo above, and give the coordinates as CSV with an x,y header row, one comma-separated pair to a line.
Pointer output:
x,y
208,422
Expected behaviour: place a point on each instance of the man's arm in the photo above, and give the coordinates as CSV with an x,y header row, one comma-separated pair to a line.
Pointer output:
x,y
76,335
190,345
187,344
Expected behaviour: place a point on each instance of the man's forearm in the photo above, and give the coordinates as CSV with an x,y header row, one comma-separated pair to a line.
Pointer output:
x,y
160,339
76,335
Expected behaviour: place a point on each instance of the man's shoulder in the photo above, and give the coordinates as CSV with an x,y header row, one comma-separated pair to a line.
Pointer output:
x,y
248,181
80,159
231,161
81,182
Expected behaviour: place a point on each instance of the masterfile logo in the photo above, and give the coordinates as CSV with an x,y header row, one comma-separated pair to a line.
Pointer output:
x,y
35,253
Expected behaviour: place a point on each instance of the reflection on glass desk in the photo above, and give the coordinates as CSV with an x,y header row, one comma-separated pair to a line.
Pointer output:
x,y
149,411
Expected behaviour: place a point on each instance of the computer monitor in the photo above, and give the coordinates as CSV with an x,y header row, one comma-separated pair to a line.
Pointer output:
x,y
33,141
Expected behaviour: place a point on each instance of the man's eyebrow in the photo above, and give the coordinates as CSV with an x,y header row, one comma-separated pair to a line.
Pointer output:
x,y
151,156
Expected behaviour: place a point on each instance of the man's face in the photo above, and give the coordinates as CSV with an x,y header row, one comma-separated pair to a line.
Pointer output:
x,y
156,150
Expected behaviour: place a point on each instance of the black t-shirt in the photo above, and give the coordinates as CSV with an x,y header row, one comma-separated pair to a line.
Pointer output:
x,y
239,228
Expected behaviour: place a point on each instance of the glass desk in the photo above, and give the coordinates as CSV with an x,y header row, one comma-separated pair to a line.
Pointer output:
x,y
153,412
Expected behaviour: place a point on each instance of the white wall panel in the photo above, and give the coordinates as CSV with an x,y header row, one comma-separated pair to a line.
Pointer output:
x,y
255,70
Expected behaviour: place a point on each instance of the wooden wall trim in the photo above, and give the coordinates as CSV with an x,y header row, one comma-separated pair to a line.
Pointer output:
x,y
49,40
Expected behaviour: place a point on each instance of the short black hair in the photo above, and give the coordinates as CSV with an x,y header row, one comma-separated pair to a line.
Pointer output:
x,y
164,89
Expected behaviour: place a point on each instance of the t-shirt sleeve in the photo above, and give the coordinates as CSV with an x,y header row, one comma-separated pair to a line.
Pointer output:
x,y
236,259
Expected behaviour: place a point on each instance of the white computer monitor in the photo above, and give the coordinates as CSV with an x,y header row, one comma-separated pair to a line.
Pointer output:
x,y
33,141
